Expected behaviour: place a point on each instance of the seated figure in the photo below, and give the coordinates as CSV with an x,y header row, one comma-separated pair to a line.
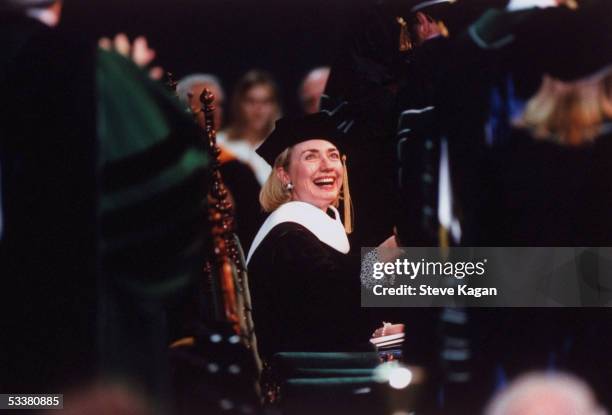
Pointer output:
x,y
304,284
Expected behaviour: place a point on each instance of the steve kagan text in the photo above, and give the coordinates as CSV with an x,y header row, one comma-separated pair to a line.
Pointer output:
x,y
427,290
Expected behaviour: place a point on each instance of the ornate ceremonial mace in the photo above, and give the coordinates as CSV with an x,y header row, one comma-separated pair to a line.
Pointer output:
x,y
231,283
224,342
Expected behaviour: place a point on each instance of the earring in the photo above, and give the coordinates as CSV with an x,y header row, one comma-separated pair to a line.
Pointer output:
x,y
289,186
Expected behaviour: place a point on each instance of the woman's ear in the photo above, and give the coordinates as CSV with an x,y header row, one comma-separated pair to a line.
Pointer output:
x,y
282,175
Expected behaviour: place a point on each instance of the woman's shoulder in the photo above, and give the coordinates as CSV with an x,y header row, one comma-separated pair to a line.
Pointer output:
x,y
302,222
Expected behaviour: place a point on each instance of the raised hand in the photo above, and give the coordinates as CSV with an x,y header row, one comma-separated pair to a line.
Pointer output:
x,y
138,51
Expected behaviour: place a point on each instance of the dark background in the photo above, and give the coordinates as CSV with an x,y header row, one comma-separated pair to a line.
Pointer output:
x,y
226,37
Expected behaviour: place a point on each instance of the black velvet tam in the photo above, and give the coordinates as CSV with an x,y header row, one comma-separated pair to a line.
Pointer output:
x,y
291,131
570,44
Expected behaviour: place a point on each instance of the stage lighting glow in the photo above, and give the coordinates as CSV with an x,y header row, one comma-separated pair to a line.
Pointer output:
x,y
400,377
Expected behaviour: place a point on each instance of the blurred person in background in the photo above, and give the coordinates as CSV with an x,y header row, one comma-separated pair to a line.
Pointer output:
x,y
300,259
545,394
104,181
47,211
515,190
191,87
255,106
238,176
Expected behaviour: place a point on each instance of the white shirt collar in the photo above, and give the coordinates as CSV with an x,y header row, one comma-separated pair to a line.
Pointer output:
x,y
245,152
328,230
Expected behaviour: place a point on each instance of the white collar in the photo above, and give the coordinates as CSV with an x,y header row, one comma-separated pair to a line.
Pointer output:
x,y
245,152
327,230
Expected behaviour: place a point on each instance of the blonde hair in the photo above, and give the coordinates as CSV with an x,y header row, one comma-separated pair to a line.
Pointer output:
x,y
572,113
273,194
607,93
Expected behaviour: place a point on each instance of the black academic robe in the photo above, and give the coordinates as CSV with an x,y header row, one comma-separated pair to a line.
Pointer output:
x,y
47,247
102,211
521,193
305,293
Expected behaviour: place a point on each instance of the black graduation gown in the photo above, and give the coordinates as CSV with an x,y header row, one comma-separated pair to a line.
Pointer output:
x,y
91,278
305,294
47,248
524,194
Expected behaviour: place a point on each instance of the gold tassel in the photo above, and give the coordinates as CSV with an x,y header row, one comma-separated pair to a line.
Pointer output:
x,y
405,44
443,241
348,204
443,29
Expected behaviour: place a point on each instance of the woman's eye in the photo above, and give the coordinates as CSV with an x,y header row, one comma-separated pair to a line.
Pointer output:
x,y
310,156
334,156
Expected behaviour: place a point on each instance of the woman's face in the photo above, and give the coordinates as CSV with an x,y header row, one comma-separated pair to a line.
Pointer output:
x,y
258,107
316,172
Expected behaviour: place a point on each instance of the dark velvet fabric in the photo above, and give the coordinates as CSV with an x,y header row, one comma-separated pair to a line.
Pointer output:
x,y
47,251
305,294
544,194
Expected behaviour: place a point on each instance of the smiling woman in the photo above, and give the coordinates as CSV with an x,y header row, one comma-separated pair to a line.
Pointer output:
x,y
299,262
307,167
311,171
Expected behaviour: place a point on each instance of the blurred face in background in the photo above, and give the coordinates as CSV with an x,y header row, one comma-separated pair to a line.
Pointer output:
x,y
259,108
